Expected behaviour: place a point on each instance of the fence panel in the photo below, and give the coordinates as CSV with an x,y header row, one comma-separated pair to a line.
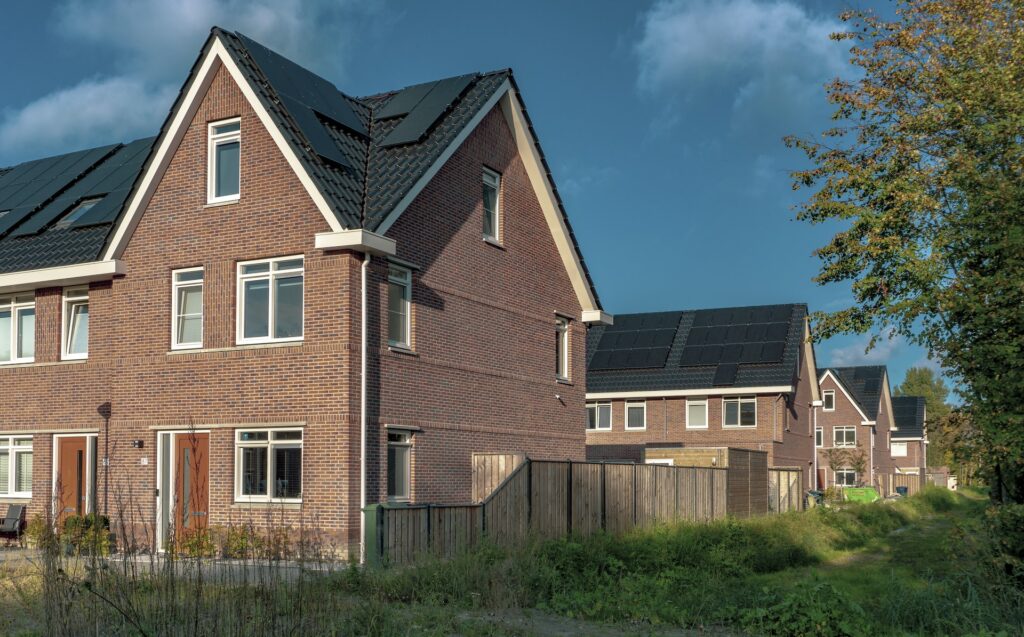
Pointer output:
x,y
619,497
914,483
587,497
491,469
549,495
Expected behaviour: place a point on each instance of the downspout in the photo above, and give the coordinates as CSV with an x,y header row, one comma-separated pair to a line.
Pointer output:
x,y
362,410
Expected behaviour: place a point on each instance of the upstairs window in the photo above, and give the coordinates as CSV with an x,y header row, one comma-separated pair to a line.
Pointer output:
x,y
399,307
17,328
599,416
829,399
562,348
492,205
740,411
819,437
844,437
224,161
636,415
187,308
696,413
16,466
76,324
268,465
270,305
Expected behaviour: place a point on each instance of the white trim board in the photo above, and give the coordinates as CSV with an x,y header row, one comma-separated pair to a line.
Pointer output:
x,y
61,276
672,393
216,57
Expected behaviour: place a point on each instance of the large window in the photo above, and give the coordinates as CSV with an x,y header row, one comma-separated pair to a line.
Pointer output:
x,y
899,450
636,415
16,466
187,308
492,210
829,400
224,161
740,411
399,306
696,413
844,437
819,437
562,348
399,465
76,323
599,416
270,300
846,478
17,328
268,465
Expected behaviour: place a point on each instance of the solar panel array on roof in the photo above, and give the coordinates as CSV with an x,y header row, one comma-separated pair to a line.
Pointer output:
x,y
736,336
424,114
404,101
636,342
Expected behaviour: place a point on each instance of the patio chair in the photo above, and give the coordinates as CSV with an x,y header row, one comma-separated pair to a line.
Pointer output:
x,y
14,522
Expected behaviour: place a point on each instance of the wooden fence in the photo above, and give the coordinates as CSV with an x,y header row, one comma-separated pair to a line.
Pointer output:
x,y
491,469
548,499
785,490
914,483
748,483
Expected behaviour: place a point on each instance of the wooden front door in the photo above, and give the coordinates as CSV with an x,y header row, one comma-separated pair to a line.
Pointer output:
x,y
192,481
821,479
72,485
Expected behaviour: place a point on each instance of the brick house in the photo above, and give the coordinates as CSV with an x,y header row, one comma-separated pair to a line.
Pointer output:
x,y
290,301
855,418
734,377
908,450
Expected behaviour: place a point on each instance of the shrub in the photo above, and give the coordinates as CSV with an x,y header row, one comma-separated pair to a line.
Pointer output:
x,y
814,609
88,534
1006,529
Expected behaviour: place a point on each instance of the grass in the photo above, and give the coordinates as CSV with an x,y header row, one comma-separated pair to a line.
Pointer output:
x,y
915,567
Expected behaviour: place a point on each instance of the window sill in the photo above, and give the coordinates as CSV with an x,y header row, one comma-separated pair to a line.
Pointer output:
x,y
218,204
287,506
599,431
628,429
72,361
495,243
15,499
234,348
751,427
564,381
405,351
700,428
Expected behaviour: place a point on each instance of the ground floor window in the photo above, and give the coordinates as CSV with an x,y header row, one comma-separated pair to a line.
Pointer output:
x,y
846,478
16,466
399,465
268,465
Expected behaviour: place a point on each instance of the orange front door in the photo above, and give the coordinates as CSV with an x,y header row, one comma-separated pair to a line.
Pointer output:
x,y
72,477
192,480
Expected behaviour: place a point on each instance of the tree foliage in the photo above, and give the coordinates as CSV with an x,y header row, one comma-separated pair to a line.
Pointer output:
x,y
924,167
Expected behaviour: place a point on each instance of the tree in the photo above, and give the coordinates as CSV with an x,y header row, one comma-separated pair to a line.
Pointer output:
x,y
925,382
924,169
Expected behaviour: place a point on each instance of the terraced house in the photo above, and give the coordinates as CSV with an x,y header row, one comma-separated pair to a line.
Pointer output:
x,y
661,385
289,299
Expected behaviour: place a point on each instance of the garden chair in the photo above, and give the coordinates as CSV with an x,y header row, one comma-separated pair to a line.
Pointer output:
x,y
13,522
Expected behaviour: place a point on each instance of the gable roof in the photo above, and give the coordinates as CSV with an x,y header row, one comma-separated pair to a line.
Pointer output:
x,y
864,383
908,413
365,158
737,347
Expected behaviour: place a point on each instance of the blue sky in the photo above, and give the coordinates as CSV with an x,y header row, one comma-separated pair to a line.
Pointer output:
x,y
662,120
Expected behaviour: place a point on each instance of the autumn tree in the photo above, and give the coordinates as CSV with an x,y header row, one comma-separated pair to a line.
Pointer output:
x,y
925,382
924,168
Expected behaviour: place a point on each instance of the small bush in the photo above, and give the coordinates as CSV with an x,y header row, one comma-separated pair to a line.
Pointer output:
x,y
1005,525
814,609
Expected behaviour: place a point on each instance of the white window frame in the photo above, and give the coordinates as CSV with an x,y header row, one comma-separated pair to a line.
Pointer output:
x,y
819,437
493,179
401,276
216,139
697,402
562,369
597,416
825,395
269,444
740,401
271,275
406,443
71,298
17,304
902,445
835,475
844,445
7,445
176,286
636,404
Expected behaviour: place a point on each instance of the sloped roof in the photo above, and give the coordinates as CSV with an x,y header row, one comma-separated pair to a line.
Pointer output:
x,y
347,145
908,414
697,349
864,383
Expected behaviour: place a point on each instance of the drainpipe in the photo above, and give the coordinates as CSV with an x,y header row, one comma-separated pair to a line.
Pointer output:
x,y
362,411
814,441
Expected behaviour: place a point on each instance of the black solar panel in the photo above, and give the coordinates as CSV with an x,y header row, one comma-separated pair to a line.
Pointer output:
x,y
733,336
404,101
313,129
725,375
426,113
636,342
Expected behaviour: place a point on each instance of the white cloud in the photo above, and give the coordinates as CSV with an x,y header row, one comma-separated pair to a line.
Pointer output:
x,y
156,43
854,354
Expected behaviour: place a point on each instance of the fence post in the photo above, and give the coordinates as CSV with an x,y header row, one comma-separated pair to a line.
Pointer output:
x,y
529,495
604,498
568,515
635,489
430,531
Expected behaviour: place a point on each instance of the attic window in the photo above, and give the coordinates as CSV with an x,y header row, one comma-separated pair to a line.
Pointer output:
x,y
492,205
76,213
829,399
223,166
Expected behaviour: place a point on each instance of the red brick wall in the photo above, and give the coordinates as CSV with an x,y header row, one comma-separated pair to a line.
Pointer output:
x,y
482,378
846,414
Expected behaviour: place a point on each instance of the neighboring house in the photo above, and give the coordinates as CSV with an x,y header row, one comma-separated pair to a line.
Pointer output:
x,y
855,420
201,326
733,377
909,449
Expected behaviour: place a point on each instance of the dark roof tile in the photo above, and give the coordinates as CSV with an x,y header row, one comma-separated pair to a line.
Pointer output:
x,y
909,416
864,383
